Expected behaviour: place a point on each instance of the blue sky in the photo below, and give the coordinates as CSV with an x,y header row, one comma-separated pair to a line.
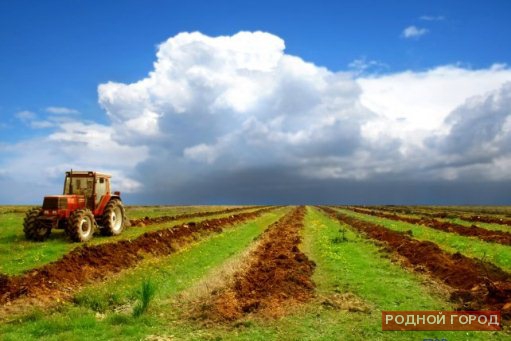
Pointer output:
x,y
55,54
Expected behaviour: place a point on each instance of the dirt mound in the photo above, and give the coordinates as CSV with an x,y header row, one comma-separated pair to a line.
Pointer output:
x,y
487,219
277,276
477,284
4,280
164,219
453,214
500,237
89,263
407,210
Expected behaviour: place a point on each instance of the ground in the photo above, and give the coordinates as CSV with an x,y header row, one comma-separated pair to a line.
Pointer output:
x,y
257,272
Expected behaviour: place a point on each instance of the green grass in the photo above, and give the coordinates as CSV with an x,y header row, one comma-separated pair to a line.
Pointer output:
x,y
475,210
487,226
135,212
104,311
358,267
459,221
94,316
500,211
176,272
496,253
18,254
14,209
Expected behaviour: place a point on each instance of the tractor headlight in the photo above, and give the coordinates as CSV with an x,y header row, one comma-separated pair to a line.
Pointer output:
x,y
46,212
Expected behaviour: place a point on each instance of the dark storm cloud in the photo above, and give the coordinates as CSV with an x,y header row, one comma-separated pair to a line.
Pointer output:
x,y
479,122
283,186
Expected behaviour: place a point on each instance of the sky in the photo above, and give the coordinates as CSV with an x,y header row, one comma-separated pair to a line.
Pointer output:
x,y
258,102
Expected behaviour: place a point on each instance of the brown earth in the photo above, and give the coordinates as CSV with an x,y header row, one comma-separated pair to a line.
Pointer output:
x,y
487,219
58,280
477,284
277,276
472,218
164,219
407,210
500,237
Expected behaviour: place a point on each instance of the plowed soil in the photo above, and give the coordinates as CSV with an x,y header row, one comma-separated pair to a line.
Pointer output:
x,y
477,284
472,218
277,276
165,219
487,219
406,210
87,263
500,237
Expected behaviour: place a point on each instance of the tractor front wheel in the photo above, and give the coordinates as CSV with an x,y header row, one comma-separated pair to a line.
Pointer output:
x,y
33,229
113,218
80,225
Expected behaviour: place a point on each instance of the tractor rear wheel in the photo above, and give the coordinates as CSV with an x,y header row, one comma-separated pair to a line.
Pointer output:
x,y
33,229
113,218
80,225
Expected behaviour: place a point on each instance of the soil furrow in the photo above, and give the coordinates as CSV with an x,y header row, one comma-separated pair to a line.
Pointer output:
x,y
487,219
93,262
277,275
476,284
492,236
442,215
164,219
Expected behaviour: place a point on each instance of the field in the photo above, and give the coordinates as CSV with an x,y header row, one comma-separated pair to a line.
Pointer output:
x,y
257,273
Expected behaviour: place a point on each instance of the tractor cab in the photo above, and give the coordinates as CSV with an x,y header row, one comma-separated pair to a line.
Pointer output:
x,y
93,186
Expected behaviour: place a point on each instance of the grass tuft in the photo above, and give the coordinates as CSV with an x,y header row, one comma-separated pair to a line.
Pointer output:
x,y
33,316
342,238
92,301
146,295
119,319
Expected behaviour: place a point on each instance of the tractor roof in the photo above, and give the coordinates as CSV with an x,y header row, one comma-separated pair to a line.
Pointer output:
x,y
89,173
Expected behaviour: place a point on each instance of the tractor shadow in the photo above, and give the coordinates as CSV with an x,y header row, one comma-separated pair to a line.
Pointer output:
x,y
59,235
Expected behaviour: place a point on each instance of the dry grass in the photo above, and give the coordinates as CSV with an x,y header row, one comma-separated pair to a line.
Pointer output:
x,y
345,301
221,276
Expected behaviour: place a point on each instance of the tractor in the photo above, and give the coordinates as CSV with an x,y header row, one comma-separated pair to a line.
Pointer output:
x,y
86,205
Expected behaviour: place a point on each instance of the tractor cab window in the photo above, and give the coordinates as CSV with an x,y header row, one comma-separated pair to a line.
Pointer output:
x,y
101,189
79,185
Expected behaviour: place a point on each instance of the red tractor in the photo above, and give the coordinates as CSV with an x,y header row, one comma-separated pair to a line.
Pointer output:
x,y
85,205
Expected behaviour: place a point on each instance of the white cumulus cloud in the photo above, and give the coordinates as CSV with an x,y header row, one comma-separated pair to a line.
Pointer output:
x,y
421,101
228,116
240,102
35,167
413,32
